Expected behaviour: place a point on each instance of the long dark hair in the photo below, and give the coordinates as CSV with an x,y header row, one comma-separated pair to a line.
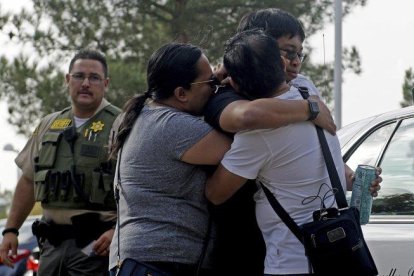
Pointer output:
x,y
171,66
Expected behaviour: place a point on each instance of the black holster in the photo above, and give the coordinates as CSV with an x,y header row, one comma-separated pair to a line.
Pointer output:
x,y
84,229
40,229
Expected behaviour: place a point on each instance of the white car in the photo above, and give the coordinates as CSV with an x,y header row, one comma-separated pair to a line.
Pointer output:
x,y
387,140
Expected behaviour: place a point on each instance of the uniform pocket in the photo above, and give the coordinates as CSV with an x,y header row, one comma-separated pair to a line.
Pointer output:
x,y
47,154
101,185
41,188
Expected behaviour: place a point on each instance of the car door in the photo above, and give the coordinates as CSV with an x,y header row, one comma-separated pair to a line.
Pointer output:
x,y
390,232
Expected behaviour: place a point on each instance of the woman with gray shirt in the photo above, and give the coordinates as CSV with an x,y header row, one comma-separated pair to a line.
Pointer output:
x,y
162,209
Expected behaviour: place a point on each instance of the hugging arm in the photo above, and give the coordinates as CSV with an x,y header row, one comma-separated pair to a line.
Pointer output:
x,y
222,185
209,150
272,113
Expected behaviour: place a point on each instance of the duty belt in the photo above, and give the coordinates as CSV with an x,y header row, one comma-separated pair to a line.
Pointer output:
x,y
84,230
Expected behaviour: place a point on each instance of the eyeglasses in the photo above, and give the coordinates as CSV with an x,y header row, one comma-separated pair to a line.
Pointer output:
x,y
291,55
213,81
92,78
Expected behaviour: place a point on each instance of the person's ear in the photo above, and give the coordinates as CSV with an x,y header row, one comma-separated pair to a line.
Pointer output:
x,y
180,94
106,82
67,78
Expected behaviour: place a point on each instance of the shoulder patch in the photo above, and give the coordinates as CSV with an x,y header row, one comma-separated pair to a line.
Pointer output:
x,y
61,123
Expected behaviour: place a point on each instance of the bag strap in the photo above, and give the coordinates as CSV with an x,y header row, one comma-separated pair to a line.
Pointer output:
x,y
281,212
117,191
333,174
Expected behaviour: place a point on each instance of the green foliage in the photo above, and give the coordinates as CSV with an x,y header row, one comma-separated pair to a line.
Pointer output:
x,y
30,91
127,32
6,196
322,74
408,88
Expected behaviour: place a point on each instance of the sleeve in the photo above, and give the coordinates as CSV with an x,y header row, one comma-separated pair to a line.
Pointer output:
x,y
302,80
312,89
183,132
25,158
247,156
217,104
114,130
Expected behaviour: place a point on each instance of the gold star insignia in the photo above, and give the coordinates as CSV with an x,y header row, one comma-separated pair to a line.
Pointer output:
x,y
97,126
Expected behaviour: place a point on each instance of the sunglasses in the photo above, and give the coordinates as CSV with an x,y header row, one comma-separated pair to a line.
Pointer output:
x,y
213,81
291,55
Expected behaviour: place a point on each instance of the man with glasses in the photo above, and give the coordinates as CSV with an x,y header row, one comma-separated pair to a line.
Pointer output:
x,y
240,240
65,167
288,160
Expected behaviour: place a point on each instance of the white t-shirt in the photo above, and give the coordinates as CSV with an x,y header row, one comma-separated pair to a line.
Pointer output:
x,y
80,121
301,80
289,161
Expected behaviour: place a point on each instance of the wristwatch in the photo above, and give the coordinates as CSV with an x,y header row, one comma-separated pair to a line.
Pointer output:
x,y
313,110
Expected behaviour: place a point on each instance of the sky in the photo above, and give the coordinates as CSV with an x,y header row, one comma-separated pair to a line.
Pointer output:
x,y
381,31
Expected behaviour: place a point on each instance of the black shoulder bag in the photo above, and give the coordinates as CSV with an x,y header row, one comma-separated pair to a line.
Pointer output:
x,y
334,242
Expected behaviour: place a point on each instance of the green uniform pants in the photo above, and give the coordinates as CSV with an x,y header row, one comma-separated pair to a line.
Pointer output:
x,y
68,260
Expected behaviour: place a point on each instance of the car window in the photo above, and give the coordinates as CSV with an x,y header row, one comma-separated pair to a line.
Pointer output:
x,y
369,150
347,132
397,189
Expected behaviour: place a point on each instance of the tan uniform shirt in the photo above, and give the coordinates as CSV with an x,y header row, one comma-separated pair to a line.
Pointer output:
x,y
25,161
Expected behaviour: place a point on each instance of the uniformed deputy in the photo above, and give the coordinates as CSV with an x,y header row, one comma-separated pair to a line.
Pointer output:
x,y
65,167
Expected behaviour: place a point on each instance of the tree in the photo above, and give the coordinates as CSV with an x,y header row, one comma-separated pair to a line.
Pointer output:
x,y
127,32
322,74
408,88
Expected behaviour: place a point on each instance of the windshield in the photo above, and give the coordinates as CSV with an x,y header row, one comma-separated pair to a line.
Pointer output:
x,y
347,132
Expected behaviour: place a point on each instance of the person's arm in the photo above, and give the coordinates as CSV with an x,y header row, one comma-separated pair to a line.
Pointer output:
x,y
349,176
222,185
22,204
102,244
209,150
272,113
23,199
240,114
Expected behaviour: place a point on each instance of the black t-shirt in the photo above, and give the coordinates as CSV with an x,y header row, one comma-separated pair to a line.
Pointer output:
x,y
217,104
240,245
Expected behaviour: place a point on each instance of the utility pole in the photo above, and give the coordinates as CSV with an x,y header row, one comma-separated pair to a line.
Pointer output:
x,y
338,64
412,93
